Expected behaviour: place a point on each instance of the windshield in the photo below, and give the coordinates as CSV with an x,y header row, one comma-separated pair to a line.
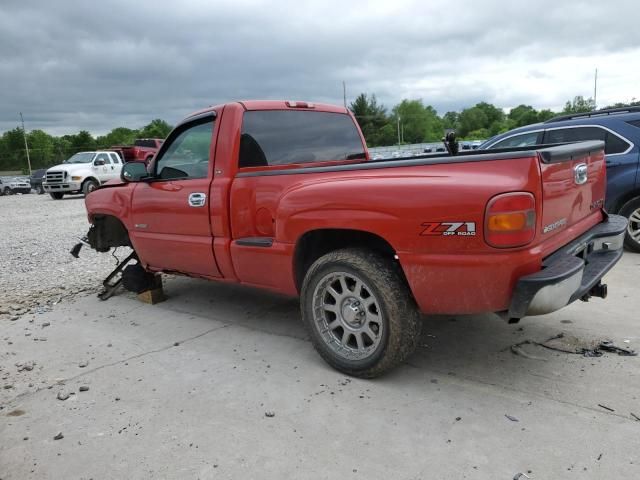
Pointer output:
x,y
84,157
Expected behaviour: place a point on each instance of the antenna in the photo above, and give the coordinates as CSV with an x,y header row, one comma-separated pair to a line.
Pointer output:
x,y
344,93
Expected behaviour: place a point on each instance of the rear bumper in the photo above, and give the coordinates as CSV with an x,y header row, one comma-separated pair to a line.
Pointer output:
x,y
572,272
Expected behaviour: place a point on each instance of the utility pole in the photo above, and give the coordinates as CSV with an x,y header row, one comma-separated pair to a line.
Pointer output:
x,y
26,145
595,90
398,130
344,93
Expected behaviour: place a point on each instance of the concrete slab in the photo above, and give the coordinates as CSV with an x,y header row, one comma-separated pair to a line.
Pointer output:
x,y
181,390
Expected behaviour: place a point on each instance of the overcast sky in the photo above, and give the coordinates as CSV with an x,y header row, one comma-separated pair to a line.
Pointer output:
x,y
72,65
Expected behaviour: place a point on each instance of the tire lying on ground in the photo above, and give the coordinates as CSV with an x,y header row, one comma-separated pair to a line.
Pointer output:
x,y
359,312
136,279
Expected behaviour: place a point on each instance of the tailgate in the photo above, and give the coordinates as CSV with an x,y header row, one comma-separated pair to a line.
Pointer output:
x,y
129,153
573,184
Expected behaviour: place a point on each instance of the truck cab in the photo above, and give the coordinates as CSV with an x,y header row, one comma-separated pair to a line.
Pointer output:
x,y
82,173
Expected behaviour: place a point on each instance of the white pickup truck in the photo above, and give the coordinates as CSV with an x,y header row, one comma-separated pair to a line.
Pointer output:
x,y
82,173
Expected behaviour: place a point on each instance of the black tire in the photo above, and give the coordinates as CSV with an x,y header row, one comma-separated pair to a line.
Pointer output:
x,y
89,186
631,210
136,279
396,313
8,191
57,195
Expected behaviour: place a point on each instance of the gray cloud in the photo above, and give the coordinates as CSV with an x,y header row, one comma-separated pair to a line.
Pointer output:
x,y
71,65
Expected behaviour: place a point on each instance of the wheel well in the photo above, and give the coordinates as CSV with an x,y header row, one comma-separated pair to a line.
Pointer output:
x,y
106,232
625,198
91,178
316,243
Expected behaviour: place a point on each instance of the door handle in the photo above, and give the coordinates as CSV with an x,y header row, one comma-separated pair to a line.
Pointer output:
x,y
197,199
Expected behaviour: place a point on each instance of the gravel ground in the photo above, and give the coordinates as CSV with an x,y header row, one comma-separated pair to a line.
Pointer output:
x,y
37,234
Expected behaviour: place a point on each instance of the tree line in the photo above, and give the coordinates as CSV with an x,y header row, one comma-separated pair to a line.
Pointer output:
x,y
410,121
46,150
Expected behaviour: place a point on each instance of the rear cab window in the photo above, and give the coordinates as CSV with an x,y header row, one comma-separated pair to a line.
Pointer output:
x,y
297,137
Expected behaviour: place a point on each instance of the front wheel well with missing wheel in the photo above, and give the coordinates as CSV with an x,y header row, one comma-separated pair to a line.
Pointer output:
x,y
108,232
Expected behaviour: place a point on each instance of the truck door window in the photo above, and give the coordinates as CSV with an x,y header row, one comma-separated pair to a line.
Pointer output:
x,y
105,157
115,158
187,152
283,137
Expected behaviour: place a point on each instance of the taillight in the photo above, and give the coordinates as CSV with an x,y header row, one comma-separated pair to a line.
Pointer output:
x,y
510,220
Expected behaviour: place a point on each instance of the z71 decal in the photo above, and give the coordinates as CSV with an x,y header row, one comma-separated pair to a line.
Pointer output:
x,y
461,229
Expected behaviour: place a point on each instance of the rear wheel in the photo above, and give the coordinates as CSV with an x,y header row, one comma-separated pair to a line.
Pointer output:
x,y
359,312
57,195
631,210
7,191
89,186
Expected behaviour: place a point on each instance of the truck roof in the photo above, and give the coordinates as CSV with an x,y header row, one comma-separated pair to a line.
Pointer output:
x,y
276,105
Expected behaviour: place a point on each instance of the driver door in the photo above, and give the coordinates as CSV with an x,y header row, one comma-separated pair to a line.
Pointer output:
x,y
172,228
101,166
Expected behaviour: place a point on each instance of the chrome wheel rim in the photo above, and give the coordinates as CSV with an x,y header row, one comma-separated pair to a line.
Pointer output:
x,y
347,315
634,225
92,186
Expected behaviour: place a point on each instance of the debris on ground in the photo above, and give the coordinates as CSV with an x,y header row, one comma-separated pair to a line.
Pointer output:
x,y
83,364
512,418
27,366
606,408
59,436
518,476
518,350
570,344
84,388
269,414
62,395
610,347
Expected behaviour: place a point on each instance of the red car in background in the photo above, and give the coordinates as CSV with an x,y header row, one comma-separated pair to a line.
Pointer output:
x,y
142,150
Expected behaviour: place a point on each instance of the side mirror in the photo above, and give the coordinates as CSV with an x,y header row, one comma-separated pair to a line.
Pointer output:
x,y
133,172
98,163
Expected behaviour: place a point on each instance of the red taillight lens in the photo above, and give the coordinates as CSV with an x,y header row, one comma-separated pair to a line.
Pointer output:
x,y
510,220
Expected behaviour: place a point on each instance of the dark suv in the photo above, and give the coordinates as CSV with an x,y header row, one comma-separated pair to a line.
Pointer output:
x,y
619,128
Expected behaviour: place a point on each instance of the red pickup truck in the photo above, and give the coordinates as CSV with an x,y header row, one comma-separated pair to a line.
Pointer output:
x,y
143,149
284,196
